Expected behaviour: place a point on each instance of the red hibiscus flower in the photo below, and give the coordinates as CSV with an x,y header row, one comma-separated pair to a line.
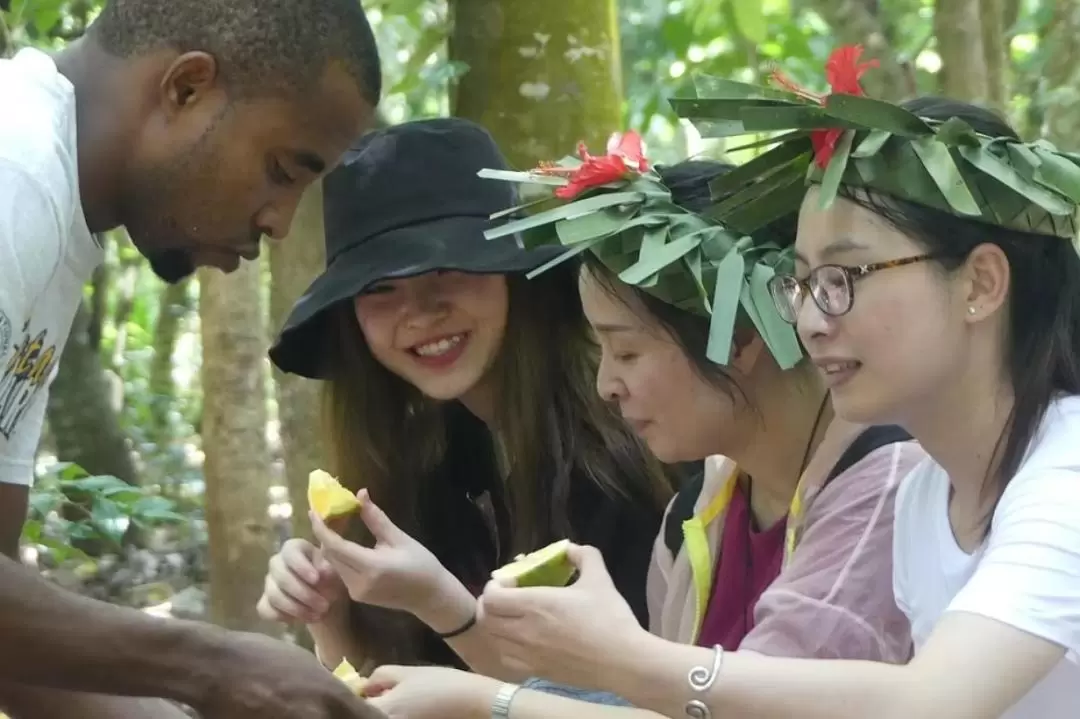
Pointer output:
x,y
843,71
625,159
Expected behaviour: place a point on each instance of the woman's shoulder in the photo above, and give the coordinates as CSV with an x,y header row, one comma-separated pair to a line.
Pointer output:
x,y
874,460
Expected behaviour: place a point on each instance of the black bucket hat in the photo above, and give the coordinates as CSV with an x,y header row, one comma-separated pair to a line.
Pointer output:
x,y
405,200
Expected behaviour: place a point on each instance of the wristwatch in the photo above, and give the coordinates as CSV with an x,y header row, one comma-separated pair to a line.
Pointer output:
x,y
500,707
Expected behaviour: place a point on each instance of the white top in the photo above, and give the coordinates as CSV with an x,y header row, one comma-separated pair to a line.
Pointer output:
x,y
1027,572
46,251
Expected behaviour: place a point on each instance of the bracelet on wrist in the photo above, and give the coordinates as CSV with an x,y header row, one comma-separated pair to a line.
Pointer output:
x,y
500,707
460,630
700,679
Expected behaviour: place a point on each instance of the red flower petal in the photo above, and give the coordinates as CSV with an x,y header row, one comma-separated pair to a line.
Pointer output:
x,y
595,171
843,69
824,142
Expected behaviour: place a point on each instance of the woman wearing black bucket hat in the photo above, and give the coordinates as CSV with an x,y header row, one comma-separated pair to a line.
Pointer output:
x,y
460,396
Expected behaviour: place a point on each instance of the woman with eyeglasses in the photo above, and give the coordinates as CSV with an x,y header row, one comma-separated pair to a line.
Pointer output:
x,y
943,297
781,547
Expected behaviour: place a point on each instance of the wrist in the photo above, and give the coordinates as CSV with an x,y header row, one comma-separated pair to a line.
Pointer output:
x,y
449,606
199,661
480,702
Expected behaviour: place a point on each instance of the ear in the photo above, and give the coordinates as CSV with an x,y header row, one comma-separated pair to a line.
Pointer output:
x,y
987,282
747,348
190,79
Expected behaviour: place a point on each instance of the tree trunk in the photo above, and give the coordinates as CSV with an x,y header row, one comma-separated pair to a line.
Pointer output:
x,y
958,29
237,466
996,49
294,263
853,23
84,422
174,303
542,75
1062,74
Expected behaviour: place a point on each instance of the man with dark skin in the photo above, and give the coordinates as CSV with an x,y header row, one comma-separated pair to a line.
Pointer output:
x,y
196,124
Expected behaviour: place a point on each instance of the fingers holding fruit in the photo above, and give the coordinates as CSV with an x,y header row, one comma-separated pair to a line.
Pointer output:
x,y
397,573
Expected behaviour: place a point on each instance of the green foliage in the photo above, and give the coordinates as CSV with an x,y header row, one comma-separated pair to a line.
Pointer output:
x,y
68,506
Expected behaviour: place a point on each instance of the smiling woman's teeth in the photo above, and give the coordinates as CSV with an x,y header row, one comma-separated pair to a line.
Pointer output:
x,y
434,349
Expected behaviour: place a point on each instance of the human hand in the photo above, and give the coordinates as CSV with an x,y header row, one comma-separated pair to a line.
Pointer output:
x,y
300,585
257,677
397,573
430,692
563,634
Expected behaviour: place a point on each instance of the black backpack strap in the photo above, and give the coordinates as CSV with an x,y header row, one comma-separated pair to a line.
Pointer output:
x,y
682,509
869,440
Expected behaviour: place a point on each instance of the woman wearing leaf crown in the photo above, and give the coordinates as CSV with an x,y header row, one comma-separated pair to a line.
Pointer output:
x,y
783,546
934,286
459,398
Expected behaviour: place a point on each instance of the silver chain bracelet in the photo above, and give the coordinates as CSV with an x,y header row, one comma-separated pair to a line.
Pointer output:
x,y
700,679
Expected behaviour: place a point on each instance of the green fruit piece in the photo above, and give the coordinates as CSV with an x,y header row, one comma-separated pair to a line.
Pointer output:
x,y
547,567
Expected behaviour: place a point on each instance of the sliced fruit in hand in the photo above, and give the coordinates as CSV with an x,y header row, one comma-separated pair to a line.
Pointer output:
x,y
352,679
328,498
547,567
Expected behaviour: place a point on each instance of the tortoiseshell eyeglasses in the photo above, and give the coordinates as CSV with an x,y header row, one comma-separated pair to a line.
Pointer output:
x,y
831,286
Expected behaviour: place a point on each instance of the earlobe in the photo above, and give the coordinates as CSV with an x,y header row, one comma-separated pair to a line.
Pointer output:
x,y
189,79
988,281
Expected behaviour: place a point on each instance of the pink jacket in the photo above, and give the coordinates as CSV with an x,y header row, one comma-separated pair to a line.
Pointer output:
x,y
834,596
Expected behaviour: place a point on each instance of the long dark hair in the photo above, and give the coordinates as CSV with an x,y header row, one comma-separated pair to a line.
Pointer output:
x,y
1042,345
425,461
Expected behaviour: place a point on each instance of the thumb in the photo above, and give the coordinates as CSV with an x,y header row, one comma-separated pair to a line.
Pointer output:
x,y
382,680
380,525
589,563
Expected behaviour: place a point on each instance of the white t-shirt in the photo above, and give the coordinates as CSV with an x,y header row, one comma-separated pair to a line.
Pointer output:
x,y
46,250
1027,572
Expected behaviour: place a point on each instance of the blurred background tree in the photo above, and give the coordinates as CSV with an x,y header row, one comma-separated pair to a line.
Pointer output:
x,y
175,461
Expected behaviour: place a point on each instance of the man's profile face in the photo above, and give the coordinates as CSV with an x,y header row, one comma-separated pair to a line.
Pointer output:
x,y
210,177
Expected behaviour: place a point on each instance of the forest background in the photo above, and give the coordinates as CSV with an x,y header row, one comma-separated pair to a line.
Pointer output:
x,y
175,458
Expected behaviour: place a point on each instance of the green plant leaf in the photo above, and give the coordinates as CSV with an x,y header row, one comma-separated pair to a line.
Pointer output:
x,y
1057,173
711,87
1008,176
750,18
830,182
938,161
563,212
595,225
871,144
725,306
873,114
657,259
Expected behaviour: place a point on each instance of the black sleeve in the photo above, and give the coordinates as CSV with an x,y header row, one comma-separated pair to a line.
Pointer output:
x,y
624,532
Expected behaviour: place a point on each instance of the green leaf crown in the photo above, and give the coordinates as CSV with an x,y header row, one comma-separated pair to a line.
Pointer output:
x,y
635,229
882,147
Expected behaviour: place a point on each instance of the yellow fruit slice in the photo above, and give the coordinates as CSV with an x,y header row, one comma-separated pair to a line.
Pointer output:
x,y
346,673
547,567
328,498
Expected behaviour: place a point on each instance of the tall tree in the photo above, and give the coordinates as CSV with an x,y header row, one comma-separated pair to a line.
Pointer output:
x,y
237,465
294,263
542,75
1062,75
996,48
958,30
174,303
